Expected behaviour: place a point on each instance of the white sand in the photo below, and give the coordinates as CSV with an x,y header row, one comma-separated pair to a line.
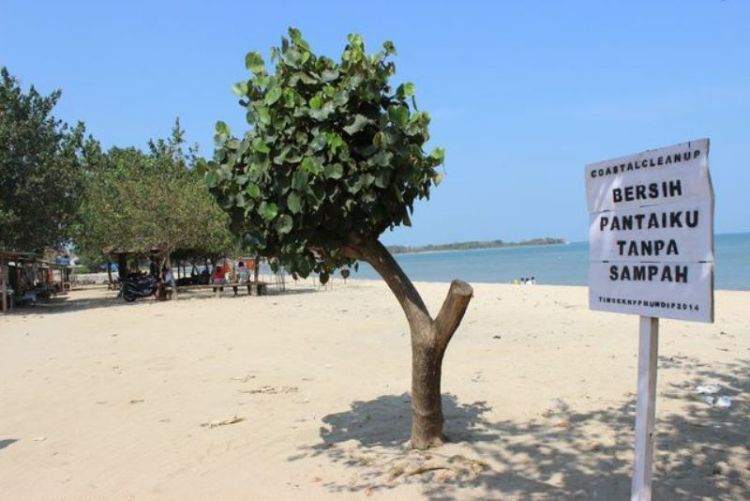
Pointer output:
x,y
102,400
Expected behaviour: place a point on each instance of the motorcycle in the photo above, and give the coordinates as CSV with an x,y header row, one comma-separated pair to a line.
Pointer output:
x,y
136,286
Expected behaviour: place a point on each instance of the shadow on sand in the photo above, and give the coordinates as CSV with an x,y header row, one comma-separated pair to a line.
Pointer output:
x,y
701,452
7,442
75,302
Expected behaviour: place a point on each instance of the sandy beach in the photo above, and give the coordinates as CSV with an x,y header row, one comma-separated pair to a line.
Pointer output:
x,y
305,394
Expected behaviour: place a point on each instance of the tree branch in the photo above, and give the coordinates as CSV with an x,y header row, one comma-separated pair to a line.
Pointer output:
x,y
452,311
378,257
351,252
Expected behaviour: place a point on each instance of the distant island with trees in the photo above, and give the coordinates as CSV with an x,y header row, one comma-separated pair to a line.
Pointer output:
x,y
473,245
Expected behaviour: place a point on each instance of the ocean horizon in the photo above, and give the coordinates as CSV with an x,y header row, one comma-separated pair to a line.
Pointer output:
x,y
556,264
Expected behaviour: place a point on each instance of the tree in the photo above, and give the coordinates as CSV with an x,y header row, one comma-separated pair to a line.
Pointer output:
x,y
137,201
333,158
40,169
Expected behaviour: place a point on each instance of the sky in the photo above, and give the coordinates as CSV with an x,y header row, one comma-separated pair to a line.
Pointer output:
x,y
522,94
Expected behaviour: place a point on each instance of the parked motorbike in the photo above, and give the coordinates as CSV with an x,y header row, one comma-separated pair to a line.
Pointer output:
x,y
136,286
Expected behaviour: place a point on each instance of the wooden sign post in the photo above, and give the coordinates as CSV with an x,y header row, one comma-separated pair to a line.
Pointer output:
x,y
651,253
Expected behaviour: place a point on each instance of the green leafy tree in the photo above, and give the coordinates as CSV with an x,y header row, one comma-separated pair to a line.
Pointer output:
x,y
40,169
137,201
333,158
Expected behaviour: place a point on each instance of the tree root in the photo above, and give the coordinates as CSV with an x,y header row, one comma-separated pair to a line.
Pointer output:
x,y
457,465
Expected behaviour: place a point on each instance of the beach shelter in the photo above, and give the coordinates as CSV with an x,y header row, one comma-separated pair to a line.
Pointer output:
x,y
11,259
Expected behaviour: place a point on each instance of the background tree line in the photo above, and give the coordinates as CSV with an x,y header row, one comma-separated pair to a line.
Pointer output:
x,y
59,188
474,244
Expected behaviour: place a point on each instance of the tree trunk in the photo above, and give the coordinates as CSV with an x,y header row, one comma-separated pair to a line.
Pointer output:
x,y
429,338
3,286
109,272
122,266
427,405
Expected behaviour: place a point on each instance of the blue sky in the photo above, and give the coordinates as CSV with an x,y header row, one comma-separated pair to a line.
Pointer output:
x,y
522,94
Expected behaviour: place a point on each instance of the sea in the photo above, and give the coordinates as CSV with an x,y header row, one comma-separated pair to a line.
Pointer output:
x,y
563,264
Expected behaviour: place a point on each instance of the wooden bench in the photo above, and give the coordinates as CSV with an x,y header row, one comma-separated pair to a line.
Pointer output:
x,y
261,288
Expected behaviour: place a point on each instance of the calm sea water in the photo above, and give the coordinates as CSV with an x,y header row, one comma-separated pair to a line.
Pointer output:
x,y
552,264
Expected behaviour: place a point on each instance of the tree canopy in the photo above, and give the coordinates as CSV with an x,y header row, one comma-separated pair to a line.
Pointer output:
x,y
334,154
137,201
40,169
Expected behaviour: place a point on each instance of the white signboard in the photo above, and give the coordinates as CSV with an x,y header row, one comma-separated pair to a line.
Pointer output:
x,y
651,233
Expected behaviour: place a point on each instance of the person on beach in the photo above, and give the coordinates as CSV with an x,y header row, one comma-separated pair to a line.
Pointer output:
x,y
243,276
230,277
164,282
168,279
218,279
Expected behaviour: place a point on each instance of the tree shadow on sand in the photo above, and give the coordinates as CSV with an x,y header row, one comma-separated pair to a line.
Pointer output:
x,y
386,421
72,302
701,451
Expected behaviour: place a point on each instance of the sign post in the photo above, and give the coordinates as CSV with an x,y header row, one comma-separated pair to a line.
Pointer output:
x,y
648,351
651,254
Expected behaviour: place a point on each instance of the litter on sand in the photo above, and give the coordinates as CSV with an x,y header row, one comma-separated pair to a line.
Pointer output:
x,y
707,389
722,402
222,422
271,390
